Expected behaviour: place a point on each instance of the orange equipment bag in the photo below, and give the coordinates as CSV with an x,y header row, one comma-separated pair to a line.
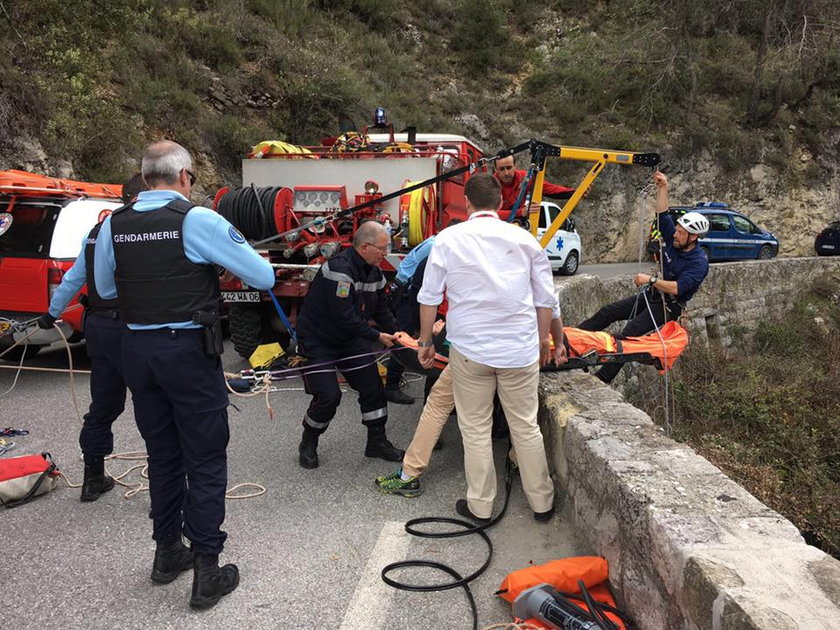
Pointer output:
x,y
564,575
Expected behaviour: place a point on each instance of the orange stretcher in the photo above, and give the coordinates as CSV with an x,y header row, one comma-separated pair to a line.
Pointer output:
x,y
585,349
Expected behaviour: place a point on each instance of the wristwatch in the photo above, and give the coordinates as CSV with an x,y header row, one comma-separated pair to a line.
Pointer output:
x,y
425,344
653,280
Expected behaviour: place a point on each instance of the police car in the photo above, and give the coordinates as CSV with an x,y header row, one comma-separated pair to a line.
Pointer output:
x,y
564,250
731,236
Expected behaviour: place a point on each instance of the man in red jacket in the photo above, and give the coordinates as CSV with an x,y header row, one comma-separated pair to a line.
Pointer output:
x,y
510,178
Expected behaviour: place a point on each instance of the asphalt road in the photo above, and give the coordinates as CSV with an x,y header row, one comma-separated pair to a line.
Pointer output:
x,y
309,550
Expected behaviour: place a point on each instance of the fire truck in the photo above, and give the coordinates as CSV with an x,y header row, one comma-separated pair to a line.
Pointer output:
x,y
42,223
301,205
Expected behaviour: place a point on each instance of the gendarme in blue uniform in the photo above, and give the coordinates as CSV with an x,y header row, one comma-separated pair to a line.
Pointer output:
x,y
104,336
157,256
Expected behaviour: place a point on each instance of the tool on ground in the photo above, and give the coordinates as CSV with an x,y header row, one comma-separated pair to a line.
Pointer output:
x,y
539,602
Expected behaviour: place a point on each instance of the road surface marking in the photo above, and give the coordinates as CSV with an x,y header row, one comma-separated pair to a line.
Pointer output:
x,y
371,601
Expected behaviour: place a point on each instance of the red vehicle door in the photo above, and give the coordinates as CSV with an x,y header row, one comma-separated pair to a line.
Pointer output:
x,y
25,267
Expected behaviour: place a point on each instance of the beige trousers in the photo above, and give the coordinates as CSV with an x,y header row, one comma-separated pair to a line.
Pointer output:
x,y
474,385
439,405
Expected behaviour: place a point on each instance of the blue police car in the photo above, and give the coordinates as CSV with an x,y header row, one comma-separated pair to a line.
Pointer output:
x,y
732,236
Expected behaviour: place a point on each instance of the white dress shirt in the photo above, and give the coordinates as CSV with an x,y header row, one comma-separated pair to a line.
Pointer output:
x,y
494,274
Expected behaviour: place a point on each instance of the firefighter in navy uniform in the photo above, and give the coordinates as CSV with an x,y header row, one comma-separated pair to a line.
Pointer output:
x,y
333,327
104,334
158,256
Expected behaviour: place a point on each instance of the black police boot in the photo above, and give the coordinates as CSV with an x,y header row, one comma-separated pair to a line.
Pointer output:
x,y
211,583
95,482
309,449
379,446
398,396
171,559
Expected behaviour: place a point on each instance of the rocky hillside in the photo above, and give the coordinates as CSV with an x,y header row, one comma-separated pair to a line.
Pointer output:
x,y
741,98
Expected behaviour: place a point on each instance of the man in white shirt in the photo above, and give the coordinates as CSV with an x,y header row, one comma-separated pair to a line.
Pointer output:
x,y
498,282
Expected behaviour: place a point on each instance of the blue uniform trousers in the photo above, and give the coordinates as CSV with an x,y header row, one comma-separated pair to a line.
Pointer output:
x,y
180,404
407,314
104,334
322,383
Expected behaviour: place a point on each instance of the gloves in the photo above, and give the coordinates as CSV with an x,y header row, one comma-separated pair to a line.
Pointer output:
x,y
46,321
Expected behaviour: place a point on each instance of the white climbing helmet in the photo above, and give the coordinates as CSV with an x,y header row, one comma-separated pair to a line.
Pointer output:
x,y
694,223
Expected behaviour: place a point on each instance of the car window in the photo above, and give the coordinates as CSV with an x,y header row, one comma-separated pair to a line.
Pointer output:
x,y
742,224
30,234
552,211
718,222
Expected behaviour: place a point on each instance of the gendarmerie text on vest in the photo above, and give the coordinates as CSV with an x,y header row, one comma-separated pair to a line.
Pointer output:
x,y
147,236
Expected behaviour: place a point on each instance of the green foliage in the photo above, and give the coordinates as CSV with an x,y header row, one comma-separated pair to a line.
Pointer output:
x,y
770,416
480,35
231,138
730,78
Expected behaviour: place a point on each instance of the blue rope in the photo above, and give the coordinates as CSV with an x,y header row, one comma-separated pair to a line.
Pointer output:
x,y
523,188
286,323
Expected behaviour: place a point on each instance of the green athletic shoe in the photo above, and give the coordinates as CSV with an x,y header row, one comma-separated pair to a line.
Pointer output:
x,y
392,484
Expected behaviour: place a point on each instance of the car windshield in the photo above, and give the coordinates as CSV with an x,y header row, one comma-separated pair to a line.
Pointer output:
x,y
31,231
742,224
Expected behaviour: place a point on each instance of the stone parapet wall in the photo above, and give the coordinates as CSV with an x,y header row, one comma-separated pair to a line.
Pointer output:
x,y
687,546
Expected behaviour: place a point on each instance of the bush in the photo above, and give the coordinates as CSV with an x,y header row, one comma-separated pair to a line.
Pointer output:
x,y
481,37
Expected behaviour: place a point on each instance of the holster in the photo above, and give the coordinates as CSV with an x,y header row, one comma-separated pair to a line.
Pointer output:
x,y
211,328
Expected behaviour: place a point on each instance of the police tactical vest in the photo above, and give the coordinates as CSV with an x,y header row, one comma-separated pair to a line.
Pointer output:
x,y
95,301
156,282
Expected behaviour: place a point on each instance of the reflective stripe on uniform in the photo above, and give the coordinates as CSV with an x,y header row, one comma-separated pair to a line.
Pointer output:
x,y
315,425
337,276
375,414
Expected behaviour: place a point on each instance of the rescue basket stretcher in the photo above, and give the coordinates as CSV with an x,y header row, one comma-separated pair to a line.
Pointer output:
x,y
585,349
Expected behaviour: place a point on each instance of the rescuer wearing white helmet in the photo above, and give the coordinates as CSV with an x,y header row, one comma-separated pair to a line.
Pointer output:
x,y
684,266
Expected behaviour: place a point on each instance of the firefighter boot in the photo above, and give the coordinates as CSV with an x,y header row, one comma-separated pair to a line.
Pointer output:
x,y
379,446
211,583
95,482
171,559
309,448
398,396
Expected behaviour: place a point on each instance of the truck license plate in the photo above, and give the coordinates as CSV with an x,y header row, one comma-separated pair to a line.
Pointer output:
x,y
241,296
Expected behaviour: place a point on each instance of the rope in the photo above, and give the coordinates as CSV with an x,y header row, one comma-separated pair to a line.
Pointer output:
x,y
645,193
17,374
133,488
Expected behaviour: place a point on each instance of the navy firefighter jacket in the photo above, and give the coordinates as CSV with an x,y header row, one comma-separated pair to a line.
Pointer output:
x,y
343,297
687,268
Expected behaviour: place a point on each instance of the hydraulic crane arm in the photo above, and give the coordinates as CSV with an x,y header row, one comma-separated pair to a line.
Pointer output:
x,y
540,151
